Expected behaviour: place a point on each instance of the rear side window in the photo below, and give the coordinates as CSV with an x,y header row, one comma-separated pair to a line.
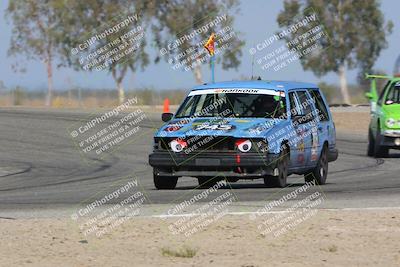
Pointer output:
x,y
320,104
305,103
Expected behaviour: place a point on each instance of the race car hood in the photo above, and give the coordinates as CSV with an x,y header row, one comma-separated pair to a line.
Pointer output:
x,y
234,127
392,111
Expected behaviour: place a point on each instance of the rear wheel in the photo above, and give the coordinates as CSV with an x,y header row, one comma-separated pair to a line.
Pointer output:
x,y
282,166
320,172
380,151
164,182
308,177
371,145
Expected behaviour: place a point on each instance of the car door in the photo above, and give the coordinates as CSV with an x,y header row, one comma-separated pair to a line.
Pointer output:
x,y
309,128
301,141
325,127
377,112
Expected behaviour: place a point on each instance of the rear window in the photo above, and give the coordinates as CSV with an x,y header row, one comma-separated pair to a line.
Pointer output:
x,y
320,104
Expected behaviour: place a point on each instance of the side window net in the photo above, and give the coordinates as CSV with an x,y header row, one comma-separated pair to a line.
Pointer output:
x,y
320,104
305,103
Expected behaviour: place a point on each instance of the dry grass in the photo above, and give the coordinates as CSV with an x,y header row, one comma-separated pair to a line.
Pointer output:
x,y
332,248
184,252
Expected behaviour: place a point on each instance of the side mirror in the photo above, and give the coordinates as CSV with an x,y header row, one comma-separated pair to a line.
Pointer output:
x,y
166,117
369,95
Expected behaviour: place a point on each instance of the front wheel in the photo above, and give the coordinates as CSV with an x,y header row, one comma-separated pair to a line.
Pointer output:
x,y
281,179
371,145
380,151
320,172
164,182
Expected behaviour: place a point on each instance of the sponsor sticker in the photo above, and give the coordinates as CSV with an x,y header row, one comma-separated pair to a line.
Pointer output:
x,y
220,127
237,91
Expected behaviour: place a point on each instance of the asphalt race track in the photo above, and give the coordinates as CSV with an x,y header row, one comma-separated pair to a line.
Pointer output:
x,y
41,167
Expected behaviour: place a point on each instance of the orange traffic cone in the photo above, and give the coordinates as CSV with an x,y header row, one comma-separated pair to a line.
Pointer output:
x,y
166,105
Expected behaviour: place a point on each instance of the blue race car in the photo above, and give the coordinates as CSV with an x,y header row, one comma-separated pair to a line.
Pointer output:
x,y
246,130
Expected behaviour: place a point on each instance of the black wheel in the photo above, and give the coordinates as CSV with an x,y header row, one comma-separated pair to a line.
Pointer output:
x,y
380,151
371,145
280,180
164,182
308,177
320,172
206,182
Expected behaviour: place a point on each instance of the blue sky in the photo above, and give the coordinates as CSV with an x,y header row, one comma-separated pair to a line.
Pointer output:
x,y
256,21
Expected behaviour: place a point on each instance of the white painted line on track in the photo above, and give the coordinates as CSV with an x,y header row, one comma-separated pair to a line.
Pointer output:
x,y
241,213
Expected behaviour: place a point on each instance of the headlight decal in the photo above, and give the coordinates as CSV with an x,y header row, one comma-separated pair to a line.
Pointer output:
x,y
390,122
178,145
244,145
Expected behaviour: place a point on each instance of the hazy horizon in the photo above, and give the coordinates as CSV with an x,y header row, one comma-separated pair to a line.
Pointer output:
x,y
252,15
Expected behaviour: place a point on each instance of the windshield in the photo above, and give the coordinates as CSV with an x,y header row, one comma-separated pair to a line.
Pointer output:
x,y
233,105
393,96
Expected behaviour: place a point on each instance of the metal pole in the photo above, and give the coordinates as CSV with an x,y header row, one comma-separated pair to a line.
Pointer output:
x,y
213,68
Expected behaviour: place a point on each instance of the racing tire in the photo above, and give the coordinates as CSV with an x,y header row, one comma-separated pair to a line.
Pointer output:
x,y
281,179
164,182
371,145
379,151
308,177
320,172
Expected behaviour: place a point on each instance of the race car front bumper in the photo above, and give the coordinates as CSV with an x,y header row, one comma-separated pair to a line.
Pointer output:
x,y
211,164
390,139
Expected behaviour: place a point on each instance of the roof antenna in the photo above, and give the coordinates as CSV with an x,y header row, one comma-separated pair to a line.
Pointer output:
x,y
252,65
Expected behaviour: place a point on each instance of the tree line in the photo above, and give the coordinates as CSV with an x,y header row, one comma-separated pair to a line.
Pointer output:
x,y
52,30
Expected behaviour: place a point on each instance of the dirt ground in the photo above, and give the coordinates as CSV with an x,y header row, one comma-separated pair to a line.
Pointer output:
x,y
328,238
356,122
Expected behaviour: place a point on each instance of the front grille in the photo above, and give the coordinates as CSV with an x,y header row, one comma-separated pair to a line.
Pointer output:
x,y
202,143
210,143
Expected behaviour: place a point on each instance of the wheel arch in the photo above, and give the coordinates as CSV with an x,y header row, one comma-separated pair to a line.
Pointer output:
x,y
326,143
285,143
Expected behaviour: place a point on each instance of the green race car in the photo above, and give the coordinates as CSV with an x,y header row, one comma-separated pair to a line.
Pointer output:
x,y
384,127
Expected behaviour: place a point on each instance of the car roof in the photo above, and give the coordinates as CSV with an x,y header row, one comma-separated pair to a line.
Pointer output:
x,y
258,84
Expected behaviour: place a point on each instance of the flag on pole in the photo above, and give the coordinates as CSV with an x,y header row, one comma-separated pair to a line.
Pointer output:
x,y
210,45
